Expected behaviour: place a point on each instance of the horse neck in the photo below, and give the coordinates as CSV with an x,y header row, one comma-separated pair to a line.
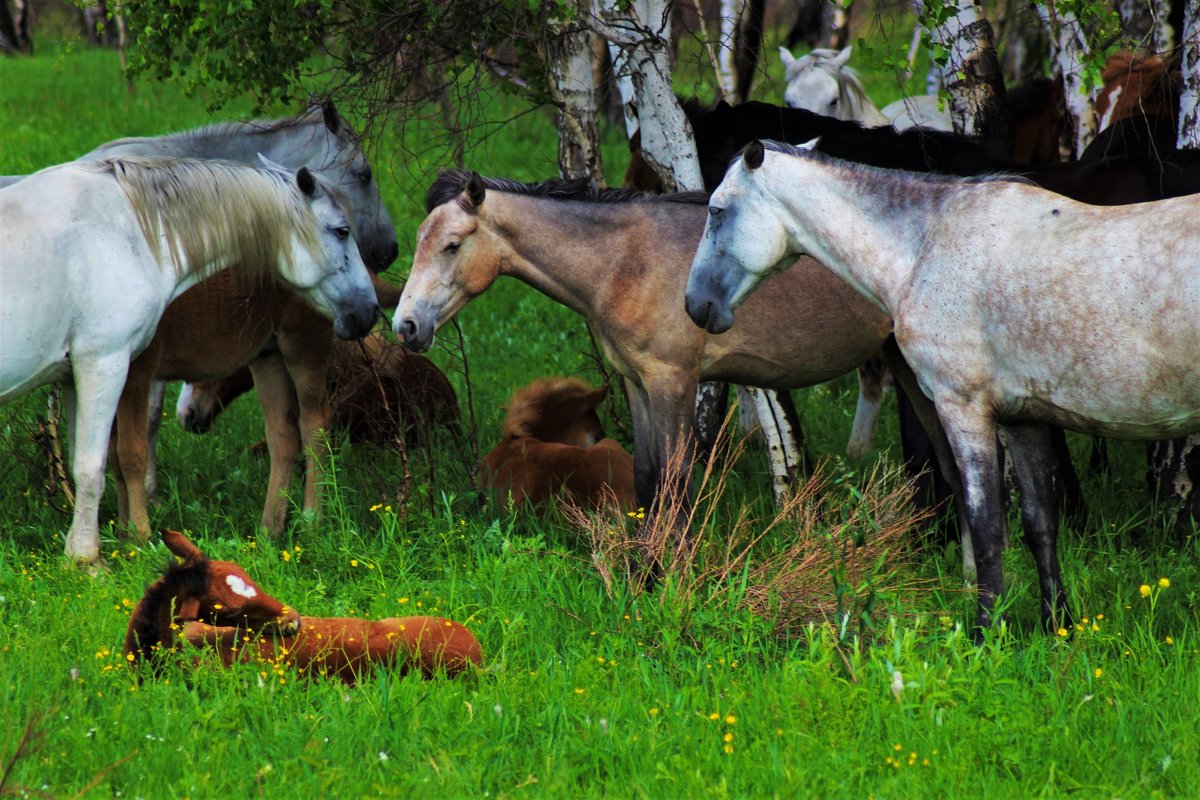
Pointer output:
x,y
559,247
891,212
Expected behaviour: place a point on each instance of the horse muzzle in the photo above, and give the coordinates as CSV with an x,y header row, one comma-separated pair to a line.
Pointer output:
x,y
412,334
356,322
708,312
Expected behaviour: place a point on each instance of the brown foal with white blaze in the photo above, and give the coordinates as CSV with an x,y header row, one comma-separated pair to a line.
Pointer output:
x,y
205,604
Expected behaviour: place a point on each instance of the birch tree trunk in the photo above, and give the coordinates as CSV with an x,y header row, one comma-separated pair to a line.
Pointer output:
x,y
644,34
573,88
972,74
835,23
1067,46
1189,92
731,11
1145,22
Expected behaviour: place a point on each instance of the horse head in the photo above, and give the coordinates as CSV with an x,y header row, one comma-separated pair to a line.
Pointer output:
x,y
456,259
346,166
330,274
199,589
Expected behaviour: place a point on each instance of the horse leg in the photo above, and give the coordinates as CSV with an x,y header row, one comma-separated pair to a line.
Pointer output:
x,y
1034,459
646,467
312,394
157,391
283,435
98,385
132,443
972,436
304,343
1063,474
866,413
946,461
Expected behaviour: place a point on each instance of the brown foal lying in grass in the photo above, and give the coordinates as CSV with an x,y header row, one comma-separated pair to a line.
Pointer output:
x,y
216,605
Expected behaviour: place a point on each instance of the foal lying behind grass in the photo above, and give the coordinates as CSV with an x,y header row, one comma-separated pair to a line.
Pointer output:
x,y
553,443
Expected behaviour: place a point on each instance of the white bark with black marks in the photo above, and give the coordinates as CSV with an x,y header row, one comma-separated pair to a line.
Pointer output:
x,y
1067,47
972,74
572,85
1189,93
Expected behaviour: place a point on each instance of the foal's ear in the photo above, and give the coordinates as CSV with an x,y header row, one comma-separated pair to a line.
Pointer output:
x,y
843,56
475,190
306,182
811,144
179,544
754,154
597,397
786,57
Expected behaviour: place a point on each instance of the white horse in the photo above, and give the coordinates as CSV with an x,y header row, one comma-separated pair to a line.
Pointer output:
x,y
92,252
823,83
1015,307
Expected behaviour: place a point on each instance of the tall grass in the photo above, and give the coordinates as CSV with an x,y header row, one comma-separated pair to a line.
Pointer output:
x,y
741,676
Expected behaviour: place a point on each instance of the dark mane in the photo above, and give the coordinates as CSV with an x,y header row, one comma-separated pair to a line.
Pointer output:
x,y
450,183
881,172
725,129
177,580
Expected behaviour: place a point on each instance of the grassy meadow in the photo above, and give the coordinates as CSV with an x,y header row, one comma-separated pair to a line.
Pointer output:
x,y
818,654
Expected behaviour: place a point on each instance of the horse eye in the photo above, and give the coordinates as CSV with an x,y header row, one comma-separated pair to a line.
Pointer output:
x,y
365,175
453,247
715,211
342,233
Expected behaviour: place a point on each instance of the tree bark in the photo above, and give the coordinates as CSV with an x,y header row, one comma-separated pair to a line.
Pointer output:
x,y
972,74
572,85
749,47
835,23
731,11
1067,46
8,28
1189,92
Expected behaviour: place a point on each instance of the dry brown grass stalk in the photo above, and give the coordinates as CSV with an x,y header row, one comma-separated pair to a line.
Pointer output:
x,y
844,545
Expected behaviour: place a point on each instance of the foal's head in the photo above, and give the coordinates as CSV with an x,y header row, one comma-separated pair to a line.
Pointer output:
x,y
200,403
559,410
201,590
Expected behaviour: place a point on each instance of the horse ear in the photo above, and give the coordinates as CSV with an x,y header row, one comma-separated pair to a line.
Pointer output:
x,y
179,544
306,182
475,190
333,120
754,154
843,56
722,105
786,57
597,397
811,144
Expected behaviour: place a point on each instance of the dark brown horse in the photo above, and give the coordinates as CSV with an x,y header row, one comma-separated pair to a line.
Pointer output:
x,y
204,604
377,391
211,330
553,444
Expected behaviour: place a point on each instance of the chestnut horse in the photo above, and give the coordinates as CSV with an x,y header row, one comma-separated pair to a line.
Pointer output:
x,y
215,605
553,443
377,390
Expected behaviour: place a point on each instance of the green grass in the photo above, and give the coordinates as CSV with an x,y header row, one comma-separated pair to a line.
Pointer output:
x,y
586,691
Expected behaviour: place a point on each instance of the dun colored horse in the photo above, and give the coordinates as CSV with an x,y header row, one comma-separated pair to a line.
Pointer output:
x,y
204,604
620,259
553,443
1017,308
377,391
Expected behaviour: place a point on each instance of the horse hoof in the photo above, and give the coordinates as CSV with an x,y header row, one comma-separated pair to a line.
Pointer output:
x,y
91,568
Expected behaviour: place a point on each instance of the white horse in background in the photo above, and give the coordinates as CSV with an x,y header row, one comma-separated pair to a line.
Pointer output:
x,y
92,252
823,83
1015,307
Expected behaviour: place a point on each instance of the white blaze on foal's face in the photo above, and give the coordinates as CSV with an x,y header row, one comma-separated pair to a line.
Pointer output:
x,y
240,587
